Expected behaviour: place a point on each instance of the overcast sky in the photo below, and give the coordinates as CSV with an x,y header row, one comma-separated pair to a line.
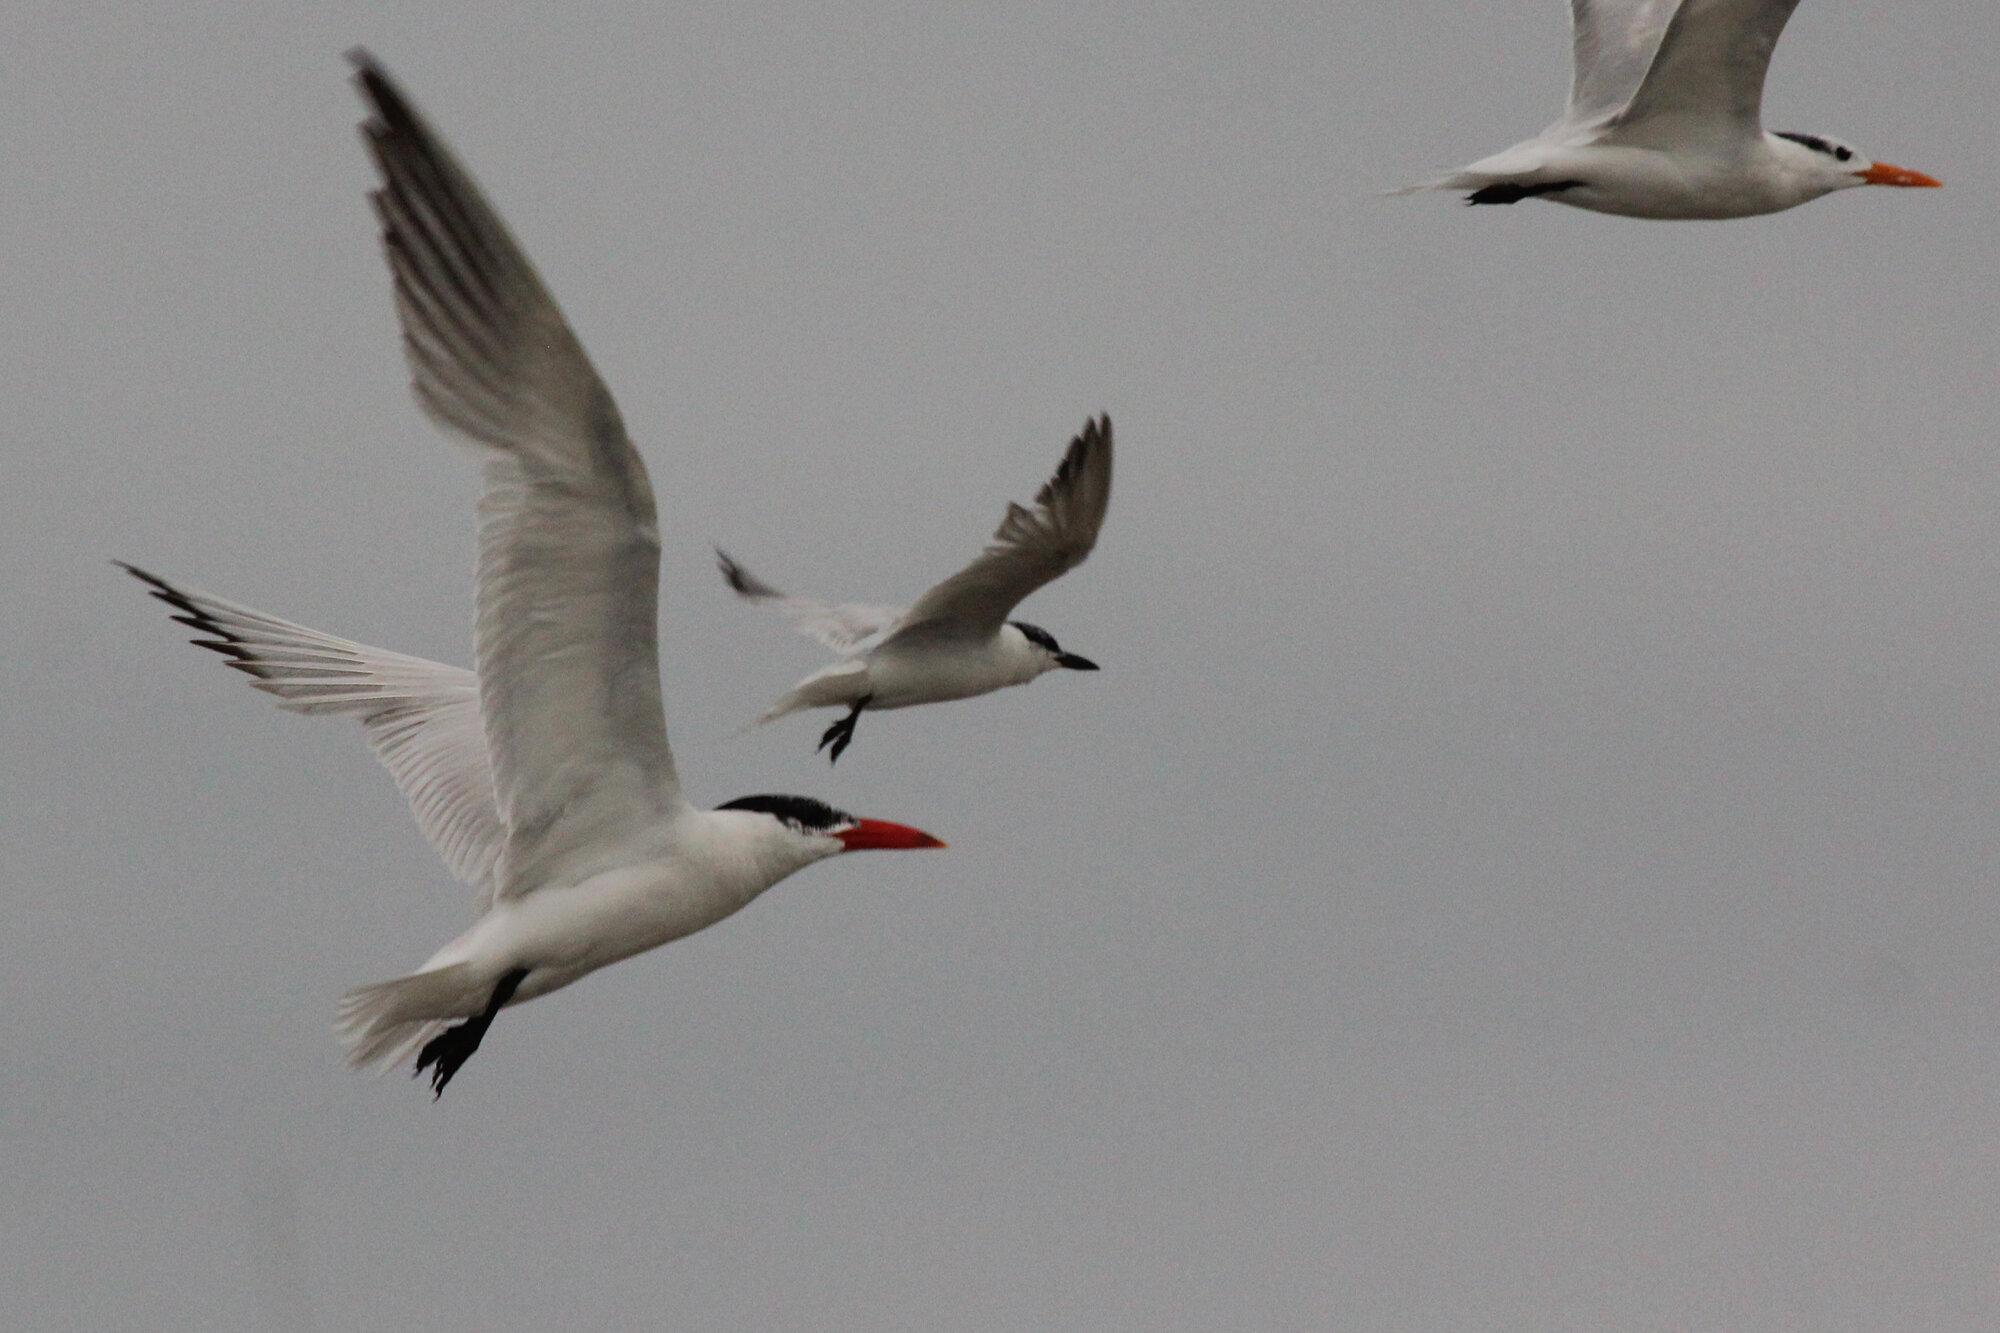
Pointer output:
x,y
1528,862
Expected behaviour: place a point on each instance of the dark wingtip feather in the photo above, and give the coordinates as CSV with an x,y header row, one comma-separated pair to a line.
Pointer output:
x,y
154,579
377,87
225,642
741,580
1095,435
392,115
164,591
732,573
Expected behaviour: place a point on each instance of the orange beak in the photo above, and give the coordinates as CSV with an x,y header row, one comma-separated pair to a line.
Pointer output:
x,y
879,835
1884,174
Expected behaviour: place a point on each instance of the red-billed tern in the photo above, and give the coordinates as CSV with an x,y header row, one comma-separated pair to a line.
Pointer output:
x,y
544,779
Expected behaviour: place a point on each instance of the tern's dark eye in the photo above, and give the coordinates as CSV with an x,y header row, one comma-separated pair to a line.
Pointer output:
x,y
1839,152
1817,145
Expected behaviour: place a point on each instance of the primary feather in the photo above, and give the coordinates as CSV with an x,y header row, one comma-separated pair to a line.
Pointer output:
x,y
421,717
1031,547
569,547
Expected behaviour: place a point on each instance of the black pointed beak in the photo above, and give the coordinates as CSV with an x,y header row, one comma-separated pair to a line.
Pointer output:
x,y
1075,663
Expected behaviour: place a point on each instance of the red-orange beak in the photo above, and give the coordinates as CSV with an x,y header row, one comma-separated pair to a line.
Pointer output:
x,y
1884,174
879,835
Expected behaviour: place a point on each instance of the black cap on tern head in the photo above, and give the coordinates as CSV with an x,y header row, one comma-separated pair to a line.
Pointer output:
x,y
1035,634
802,814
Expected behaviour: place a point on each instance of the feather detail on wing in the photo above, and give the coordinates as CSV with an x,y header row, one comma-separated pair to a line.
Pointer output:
x,y
1706,82
568,538
1031,546
841,627
421,717
836,684
1612,44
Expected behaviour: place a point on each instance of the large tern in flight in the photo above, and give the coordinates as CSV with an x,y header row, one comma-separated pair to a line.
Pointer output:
x,y
956,641
1665,121
543,779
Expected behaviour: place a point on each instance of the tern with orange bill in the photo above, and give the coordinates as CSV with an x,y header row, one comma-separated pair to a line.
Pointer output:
x,y
1665,121
544,778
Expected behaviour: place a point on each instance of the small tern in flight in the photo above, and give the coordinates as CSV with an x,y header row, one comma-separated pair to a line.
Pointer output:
x,y
1665,121
956,641
544,779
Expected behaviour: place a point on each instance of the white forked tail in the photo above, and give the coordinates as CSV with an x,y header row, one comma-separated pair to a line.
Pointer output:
x,y
386,1021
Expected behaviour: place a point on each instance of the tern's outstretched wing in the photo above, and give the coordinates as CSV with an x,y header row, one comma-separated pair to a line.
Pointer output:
x,y
422,718
1706,83
842,627
1031,547
1612,42
569,547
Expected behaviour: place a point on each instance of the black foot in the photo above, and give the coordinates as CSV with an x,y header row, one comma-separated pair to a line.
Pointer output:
x,y
841,732
1514,194
454,1046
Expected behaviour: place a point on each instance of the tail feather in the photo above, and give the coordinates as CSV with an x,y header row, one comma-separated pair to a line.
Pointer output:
x,y
836,686
387,1021
1465,178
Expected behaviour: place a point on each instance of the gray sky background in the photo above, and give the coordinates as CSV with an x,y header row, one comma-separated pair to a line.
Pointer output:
x,y
1528,862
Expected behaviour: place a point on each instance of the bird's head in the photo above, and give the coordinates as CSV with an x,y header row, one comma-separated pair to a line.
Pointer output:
x,y
1044,645
1832,165
802,829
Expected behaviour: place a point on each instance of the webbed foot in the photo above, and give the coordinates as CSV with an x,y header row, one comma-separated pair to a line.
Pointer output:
x,y
444,1053
840,733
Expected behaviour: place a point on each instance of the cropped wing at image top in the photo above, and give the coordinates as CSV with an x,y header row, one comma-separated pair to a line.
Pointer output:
x,y
1665,120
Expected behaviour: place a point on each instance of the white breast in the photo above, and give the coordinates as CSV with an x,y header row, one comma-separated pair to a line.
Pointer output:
x,y
903,674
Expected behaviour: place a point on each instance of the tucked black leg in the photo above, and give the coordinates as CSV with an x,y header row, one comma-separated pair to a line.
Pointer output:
x,y
454,1046
1511,193
841,732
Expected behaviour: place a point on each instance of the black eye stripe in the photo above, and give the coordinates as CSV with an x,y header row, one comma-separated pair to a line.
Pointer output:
x,y
1839,152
